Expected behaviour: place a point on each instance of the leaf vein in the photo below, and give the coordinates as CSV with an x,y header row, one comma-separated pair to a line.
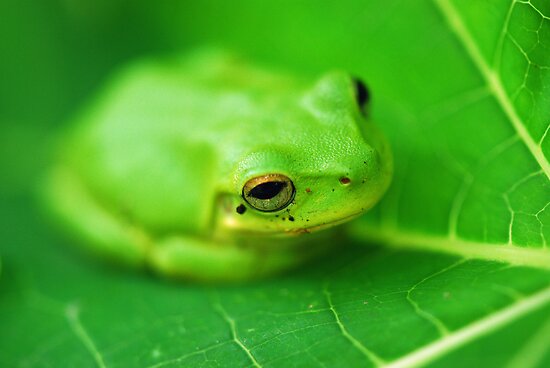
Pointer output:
x,y
436,322
234,334
72,315
356,343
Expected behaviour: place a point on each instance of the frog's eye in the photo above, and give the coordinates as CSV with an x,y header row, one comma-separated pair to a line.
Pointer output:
x,y
268,193
361,93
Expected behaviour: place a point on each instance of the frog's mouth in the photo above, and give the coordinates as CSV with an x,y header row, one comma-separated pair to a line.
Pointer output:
x,y
281,225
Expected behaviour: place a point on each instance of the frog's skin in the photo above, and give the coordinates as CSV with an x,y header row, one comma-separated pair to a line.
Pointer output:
x,y
153,172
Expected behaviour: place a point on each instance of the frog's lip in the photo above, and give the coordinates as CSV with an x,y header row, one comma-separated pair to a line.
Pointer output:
x,y
278,232
324,225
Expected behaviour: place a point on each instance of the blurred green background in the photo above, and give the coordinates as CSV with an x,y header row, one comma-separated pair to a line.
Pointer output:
x,y
465,184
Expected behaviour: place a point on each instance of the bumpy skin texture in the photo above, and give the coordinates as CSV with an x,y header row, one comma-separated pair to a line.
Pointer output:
x,y
153,172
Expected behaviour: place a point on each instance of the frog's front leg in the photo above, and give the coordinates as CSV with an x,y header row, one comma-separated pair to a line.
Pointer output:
x,y
197,258
227,260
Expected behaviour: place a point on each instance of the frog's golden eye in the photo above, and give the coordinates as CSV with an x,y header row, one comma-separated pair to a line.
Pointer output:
x,y
361,93
268,193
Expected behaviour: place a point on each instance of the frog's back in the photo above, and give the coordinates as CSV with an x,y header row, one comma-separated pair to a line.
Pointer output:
x,y
195,97
159,134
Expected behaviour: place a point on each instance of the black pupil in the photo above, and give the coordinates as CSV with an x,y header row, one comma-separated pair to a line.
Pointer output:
x,y
361,91
267,190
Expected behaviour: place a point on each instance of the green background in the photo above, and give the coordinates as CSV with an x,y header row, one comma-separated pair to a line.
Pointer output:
x,y
451,269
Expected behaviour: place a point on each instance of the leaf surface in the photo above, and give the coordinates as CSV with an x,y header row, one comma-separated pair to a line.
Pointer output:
x,y
461,89
488,146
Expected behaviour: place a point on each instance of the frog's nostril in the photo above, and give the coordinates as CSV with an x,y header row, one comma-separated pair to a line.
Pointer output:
x,y
345,180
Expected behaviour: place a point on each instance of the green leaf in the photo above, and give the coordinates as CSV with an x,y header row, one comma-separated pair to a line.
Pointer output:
x,y
462,89
477,164
358,308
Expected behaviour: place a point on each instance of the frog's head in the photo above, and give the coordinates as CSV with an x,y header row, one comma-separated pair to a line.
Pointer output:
x,y
319,162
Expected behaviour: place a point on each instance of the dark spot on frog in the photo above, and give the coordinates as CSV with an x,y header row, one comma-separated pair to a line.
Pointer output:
x,y
345,180
363,181
241,209
290,218
283,218
308,190
333,189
